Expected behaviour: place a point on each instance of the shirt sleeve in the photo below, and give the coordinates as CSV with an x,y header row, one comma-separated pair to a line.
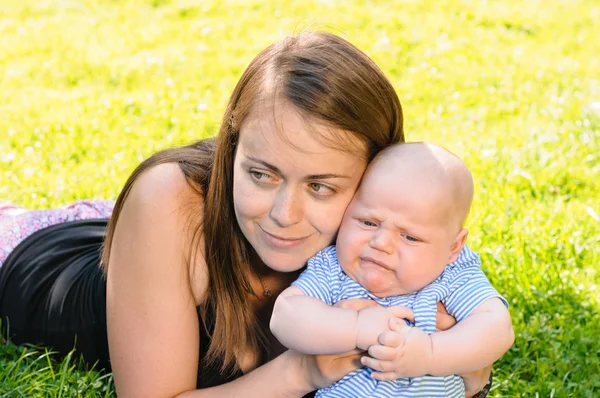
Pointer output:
x,y
469,290
315,279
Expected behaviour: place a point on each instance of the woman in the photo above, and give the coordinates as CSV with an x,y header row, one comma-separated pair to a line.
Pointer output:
x,y
202,238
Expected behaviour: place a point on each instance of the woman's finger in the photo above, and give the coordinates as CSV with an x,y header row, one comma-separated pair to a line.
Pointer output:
x,y
347,364
331,368
400,311
443,320
441,308
382,353
377,365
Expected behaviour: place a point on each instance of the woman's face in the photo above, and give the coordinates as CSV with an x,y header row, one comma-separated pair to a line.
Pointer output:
x,y
290,190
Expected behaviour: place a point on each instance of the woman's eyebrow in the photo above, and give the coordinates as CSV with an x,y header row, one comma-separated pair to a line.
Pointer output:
x,y
325,176
267,165
310,177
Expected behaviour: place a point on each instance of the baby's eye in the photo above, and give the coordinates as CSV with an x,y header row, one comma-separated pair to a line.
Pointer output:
x,y
411,238
368,223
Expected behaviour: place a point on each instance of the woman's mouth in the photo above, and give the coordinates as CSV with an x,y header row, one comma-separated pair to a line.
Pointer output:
x,y
283,242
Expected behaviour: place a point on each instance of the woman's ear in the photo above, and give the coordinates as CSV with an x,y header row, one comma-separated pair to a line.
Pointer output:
x,y
458,244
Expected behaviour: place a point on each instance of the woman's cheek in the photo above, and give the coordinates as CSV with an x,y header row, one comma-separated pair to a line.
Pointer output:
x,y
327,217
249,201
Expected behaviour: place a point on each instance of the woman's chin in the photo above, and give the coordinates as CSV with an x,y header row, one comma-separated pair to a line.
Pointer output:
x,y
282,266
284,263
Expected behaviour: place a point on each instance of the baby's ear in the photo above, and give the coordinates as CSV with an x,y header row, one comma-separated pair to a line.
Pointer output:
x,y
458,244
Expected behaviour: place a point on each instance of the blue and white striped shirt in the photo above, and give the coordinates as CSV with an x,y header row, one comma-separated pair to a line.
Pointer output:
x,y
461,287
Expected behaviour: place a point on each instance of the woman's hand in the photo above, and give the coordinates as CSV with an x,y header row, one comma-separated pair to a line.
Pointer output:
x,y
475,381
443,320
324,370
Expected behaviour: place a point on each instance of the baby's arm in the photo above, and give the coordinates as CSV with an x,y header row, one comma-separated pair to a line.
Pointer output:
x,y
475,342
310,326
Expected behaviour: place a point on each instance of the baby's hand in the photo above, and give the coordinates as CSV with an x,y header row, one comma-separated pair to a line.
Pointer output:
x,y
404,351
375,320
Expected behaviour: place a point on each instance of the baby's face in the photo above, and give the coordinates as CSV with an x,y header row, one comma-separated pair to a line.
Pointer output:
x,y
396,236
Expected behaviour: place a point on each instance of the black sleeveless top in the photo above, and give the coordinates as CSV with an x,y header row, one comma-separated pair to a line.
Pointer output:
x,y
53,293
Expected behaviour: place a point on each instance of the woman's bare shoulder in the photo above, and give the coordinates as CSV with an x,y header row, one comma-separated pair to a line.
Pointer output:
x,y
162,198
164,184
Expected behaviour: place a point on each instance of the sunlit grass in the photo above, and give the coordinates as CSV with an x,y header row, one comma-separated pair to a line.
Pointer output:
x,y
31,372
90,88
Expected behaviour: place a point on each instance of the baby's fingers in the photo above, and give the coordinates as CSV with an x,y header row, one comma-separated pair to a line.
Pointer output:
x,y
400,311
377,365
390,339
382,353
399,326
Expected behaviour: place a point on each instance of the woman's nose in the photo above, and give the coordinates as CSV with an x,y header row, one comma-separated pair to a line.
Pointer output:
x,y
287,207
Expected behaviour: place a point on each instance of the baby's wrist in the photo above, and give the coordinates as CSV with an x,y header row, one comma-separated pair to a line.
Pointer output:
x,y
429,360
366,332
361,331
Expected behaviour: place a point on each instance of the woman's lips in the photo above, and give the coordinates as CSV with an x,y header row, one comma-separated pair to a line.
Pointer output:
x,y
282,242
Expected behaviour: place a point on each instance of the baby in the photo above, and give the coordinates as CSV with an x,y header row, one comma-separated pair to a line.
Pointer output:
x,y
398,245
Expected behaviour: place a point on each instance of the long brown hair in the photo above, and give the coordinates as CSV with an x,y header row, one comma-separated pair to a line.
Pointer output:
x,y
329,81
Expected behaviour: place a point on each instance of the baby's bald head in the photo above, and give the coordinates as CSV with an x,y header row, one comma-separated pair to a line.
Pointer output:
x,y
434,168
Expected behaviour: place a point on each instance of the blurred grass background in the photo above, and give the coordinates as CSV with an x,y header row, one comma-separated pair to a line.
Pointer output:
x,y
90,88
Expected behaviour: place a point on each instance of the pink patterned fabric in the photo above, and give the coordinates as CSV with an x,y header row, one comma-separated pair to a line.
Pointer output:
x,y
17,223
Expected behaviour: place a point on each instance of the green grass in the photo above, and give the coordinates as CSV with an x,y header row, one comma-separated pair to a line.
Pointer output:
x,y
31,372
90,88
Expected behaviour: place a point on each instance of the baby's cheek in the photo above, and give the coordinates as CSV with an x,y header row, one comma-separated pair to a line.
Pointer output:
x,y
347,245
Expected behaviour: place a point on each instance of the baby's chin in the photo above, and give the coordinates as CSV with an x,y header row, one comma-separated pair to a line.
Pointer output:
x,y
379,286
397,289
388,292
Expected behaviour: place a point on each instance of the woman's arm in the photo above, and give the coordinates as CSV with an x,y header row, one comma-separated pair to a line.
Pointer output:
x,y
283,376
152,322
151,305
289,375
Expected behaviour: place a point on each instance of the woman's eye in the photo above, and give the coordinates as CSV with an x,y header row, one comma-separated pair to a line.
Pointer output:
x,y
320,189
259,176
